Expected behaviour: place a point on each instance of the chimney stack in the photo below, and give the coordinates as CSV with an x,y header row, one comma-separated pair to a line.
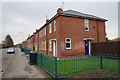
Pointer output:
x,y
59,10
33,33
37,30
47,20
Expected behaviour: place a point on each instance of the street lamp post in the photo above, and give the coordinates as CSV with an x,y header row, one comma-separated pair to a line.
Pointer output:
x,y
22,35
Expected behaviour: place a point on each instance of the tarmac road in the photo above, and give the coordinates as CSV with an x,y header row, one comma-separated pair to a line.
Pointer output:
x,y
20,68
6,59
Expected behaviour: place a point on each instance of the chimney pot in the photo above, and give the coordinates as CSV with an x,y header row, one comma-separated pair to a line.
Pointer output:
x,y
36,30
59,10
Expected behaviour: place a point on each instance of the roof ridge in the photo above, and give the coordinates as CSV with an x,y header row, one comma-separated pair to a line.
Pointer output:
x,y
79,12
67,12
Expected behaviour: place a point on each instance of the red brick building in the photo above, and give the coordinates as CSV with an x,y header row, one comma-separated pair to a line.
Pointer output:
x,y
31,41
69,33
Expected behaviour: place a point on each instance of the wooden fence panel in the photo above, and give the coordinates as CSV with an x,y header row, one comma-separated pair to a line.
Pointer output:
x,y
106,47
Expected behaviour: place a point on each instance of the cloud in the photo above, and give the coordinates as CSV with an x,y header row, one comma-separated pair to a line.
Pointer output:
x,y
26,17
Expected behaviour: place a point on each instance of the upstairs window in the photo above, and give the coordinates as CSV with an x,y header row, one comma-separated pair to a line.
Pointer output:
x,y
68,43
50,45
50,28
54,25
45,30
40,34
86,25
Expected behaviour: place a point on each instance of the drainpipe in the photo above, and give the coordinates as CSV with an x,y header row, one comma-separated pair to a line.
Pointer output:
x,y
47,26
97,31
47,40
38,41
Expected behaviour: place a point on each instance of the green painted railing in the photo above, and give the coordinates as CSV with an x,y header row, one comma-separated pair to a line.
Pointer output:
x,y
62,67
47,63
65,66
25,50
69,66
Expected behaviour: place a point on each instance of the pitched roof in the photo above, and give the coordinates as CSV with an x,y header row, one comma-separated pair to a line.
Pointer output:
x,y
73,13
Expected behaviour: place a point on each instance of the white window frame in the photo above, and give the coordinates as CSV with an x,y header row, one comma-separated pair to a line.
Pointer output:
x,y
54,25
89,47
50,28
40,34
86,21
68,42
50,45
45,45
42,46
45,30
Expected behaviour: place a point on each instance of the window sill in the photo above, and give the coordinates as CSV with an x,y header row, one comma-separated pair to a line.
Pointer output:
x,y
86,30
68,48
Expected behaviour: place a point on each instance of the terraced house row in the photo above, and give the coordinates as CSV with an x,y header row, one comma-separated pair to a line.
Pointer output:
x,y
68,33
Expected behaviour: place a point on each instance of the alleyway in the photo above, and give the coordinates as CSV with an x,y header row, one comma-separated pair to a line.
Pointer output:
x,y
20,68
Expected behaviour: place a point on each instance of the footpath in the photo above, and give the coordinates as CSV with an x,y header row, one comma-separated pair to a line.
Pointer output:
x,y
20,68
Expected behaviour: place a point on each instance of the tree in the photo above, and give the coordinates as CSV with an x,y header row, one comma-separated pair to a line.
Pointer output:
x,y
116,39
8,41
3,43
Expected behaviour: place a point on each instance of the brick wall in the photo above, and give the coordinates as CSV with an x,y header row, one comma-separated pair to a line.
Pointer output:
x,y
74,28
68,27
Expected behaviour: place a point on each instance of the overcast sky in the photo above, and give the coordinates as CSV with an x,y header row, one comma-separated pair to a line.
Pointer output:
x,y
25,17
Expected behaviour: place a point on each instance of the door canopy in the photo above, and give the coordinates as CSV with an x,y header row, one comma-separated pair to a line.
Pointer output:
x,y
88,39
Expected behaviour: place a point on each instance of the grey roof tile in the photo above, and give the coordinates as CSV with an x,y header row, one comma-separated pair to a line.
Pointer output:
x,y
73,13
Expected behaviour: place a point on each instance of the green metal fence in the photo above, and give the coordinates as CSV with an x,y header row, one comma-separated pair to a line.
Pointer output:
x,y
65,66
47,63
69,66
62,67
25,50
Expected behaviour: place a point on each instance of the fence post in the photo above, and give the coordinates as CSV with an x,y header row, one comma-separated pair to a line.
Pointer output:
x,y
101,59
55,67
41,59
119,66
